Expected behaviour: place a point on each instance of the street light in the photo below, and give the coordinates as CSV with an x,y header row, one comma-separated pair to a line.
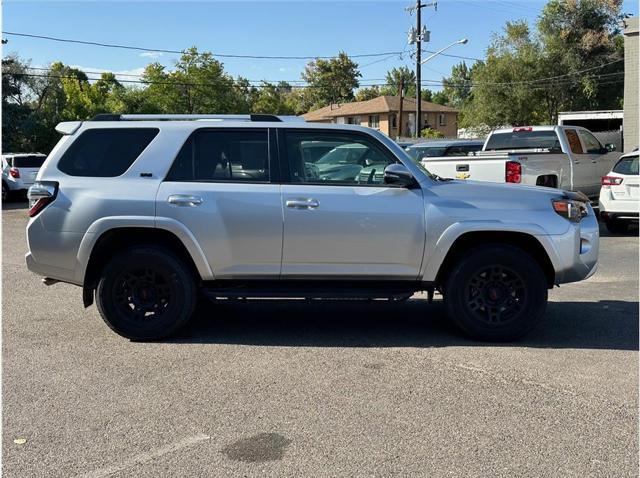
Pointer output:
x,y
459,42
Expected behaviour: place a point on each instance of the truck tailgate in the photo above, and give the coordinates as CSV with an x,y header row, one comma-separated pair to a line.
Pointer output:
x,y
468,167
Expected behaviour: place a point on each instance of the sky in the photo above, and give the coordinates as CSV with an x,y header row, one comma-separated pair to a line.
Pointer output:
x,y
272,28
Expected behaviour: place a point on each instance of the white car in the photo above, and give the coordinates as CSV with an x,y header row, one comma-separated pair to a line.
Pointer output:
x,y
19,171
619,198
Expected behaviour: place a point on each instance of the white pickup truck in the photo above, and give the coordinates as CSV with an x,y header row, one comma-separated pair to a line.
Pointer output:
x,y
565,157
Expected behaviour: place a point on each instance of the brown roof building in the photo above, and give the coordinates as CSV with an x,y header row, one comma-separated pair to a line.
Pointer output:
x,y
382,113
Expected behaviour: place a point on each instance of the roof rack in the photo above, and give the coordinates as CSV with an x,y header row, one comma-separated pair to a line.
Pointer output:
x,y
162,117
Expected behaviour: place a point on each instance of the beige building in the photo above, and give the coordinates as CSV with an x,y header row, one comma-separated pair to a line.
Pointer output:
x,y
631,53
382,113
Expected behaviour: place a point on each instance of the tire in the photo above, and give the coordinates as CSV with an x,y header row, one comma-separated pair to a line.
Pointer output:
x,y
496,293
146,293
5,192
616,226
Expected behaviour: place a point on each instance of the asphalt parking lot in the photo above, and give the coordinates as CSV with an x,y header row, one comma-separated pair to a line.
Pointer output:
x,y
284,388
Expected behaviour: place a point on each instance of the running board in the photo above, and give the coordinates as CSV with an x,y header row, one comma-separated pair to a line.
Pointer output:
x,y
315,290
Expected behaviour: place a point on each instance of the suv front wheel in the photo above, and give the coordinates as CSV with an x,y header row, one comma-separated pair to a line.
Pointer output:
x,y
496,293
146,293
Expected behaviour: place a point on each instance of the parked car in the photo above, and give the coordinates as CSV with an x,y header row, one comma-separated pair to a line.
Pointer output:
x,y
19,171
619,202
406,143
565,157
455,147
345,162
146,212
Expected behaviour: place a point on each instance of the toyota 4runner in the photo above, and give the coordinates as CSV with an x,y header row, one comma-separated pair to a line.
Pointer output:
x,y
149,212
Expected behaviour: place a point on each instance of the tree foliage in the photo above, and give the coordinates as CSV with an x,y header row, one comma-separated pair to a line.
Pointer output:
x,y
331,81
572,62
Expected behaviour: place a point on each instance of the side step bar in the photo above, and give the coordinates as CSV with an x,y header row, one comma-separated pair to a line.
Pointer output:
x,y
318,290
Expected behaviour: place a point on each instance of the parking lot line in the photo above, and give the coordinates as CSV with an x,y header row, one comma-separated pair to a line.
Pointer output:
x,y
146,457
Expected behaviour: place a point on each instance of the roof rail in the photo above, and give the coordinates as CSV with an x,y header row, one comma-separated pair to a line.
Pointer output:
x,y
163,117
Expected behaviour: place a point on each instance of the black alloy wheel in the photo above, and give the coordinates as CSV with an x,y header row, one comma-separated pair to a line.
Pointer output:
x,y
146,293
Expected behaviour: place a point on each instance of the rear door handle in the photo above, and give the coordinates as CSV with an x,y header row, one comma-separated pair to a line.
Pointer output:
x,y
307,203
184,200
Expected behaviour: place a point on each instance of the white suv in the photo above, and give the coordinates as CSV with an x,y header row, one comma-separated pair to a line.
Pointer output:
x,y
19,171
620,194
146,211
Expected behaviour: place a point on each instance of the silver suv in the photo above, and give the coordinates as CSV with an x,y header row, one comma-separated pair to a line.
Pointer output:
x,y
147,212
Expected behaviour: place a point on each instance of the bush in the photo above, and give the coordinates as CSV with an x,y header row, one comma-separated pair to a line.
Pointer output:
x,y
431,133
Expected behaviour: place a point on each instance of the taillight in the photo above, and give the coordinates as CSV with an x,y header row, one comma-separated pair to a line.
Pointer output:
x,y
513,172
611,181
40,195
14,172
520,129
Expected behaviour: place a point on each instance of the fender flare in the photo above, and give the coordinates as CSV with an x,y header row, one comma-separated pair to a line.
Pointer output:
x,y
435,256
104,224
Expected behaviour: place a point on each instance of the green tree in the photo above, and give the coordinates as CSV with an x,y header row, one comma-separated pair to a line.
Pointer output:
x,y
408,78
457,88
330,81
578,35
16,111
502,92
440,97
273,99
368,93
197,85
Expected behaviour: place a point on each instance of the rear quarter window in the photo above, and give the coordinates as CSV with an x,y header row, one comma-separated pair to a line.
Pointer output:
x,y
627,166
105,152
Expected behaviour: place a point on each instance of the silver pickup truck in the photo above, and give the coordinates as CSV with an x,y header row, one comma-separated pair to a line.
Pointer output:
x,y
564,157
148,212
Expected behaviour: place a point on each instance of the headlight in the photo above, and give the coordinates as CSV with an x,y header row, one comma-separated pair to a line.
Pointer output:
x,y
570,209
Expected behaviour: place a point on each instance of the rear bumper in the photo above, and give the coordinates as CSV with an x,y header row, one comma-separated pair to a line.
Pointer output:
x,y
47,270
609,215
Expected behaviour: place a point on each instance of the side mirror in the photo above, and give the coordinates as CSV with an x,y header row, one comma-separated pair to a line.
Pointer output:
x,y
397,174
610,147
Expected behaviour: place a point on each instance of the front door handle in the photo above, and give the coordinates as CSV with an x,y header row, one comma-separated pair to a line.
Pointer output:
x,y
184,200
307,203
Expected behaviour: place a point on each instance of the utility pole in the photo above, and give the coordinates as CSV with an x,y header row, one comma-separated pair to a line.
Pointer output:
x,y
418,36
401,95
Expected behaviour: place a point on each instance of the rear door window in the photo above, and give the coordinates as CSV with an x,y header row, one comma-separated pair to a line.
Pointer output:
x,y
105,152
574,141
223,155
28,161
627,166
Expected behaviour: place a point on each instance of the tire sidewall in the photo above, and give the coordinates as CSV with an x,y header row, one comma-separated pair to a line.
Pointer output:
x,y
509,257
181,304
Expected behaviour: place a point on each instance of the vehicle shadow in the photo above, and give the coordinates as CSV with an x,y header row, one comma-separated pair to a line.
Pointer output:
x,y
415,323
633,230
15,204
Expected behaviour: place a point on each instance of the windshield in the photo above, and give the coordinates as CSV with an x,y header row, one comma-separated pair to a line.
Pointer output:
x,y
426,152
28,161
343,156
523,140
627,166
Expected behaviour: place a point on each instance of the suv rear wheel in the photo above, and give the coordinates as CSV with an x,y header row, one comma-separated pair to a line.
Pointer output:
x,y
496,293
146,293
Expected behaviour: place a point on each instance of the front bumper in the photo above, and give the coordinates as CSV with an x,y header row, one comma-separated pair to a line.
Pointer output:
x,y
574,254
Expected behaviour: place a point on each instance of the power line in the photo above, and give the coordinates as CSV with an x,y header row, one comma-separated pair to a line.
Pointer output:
x,y
221,55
